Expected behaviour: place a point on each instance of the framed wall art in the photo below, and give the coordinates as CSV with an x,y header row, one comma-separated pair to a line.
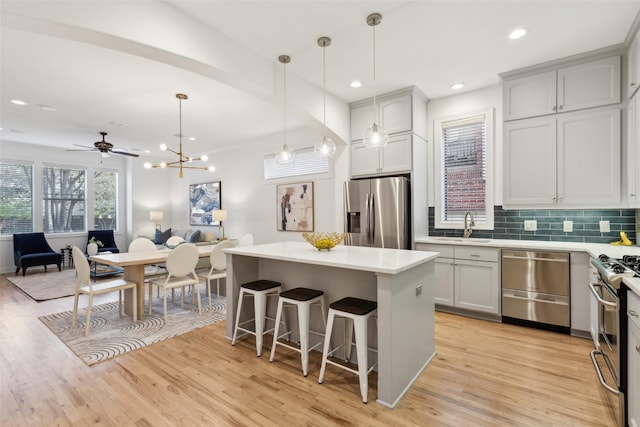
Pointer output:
x,y
203,200
294,204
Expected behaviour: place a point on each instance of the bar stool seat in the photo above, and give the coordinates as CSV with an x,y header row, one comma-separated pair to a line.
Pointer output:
x,y
260,290
356,313
302,298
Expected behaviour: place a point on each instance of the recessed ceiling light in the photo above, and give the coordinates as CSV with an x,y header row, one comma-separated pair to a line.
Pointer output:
x,y
517,33
18,102
356,83
45,107
457,86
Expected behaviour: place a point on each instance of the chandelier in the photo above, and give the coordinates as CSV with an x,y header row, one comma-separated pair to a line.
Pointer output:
x,y
182,158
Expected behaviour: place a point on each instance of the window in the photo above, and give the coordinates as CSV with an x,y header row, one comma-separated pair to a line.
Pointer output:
x,y
464,180
16,197
105,208
306,163
63,199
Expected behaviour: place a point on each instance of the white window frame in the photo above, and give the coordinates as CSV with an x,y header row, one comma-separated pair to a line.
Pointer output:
x,y
486,224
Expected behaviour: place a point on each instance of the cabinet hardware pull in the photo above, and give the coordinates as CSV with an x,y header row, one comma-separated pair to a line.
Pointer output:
x,y
633,84
632,195
638,348
560,107
633,313
553,108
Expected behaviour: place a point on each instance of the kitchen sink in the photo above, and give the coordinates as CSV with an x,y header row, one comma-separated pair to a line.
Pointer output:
x,y
461,239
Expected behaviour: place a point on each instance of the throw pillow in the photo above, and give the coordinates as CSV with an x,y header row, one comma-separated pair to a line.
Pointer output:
x,y
209,236
194,237
162,236
188,234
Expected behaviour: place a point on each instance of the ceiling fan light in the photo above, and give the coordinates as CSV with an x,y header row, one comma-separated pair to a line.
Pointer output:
x,y
375,137
325,148
104,154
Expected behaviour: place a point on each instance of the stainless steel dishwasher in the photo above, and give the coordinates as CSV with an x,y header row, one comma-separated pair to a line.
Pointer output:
x,y
536,289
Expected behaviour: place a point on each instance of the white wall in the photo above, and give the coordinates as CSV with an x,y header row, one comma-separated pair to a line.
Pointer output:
x,y
248,199
459,104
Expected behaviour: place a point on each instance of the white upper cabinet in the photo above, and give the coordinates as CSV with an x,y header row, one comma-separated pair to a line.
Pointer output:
x,y
590,84
633,66
395,157
633,153
563,161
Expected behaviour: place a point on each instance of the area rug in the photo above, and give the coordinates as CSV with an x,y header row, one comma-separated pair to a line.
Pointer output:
x,y
111,335
53,284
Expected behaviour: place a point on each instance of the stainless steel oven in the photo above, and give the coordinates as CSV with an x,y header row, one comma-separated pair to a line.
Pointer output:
x,y
609,357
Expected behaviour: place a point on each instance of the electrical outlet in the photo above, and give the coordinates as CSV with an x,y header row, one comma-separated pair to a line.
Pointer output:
x,y
530,225
567,226
605,227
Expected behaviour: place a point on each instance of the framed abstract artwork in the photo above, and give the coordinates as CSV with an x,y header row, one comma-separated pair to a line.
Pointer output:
x,y
203,200
294,204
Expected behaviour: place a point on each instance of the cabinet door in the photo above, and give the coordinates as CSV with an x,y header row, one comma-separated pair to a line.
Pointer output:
x,y
589,157
364,161
633,375
395,114
443,291
530,162
592,84
396,155
477,286
361,118
633,153
632,68
530,96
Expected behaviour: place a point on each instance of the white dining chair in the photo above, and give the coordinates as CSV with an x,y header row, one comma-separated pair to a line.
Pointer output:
x,y
174,241
85,286
181,264
142,244
218,260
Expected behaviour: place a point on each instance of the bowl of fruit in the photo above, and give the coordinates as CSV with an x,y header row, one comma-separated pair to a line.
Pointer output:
x,y
324,241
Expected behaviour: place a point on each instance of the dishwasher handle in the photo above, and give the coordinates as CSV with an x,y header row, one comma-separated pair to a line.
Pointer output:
x,y
534,258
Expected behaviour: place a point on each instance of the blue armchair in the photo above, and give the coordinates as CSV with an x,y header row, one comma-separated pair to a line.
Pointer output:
x,y
30,249
106,237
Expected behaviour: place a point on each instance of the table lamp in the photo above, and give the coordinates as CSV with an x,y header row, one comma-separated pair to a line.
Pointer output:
x,y
220,215
157,217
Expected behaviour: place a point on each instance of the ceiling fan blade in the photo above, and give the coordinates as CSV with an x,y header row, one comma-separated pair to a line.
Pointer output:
x,y
85,146
124,153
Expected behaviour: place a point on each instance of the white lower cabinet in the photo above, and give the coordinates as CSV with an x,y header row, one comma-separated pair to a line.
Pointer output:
x,y
467,277
633,373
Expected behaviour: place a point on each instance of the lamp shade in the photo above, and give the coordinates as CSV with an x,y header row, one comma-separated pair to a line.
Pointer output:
x,y
155,216
219,215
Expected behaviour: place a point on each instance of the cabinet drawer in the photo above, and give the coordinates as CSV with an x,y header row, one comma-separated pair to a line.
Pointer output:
x,y
633,306
445,251
477,254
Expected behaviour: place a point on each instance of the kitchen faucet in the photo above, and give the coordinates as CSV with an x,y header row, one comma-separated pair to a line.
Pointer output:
x,y
467,228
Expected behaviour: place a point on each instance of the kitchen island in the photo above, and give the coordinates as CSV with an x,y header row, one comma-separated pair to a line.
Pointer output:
x,y
401,281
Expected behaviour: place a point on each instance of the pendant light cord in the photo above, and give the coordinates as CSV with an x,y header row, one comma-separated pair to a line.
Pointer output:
x,y
374,73
324,88
284,67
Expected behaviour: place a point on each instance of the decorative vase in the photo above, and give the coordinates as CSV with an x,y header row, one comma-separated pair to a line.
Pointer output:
x,y
92,249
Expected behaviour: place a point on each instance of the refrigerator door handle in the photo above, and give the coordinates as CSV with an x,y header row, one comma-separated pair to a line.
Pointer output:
x,y
367,223
372,222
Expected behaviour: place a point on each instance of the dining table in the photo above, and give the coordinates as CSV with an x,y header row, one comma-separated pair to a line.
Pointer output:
x,y
133,264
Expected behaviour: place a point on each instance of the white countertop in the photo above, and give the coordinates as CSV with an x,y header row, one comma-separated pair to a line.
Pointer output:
x,y
377,260
593,249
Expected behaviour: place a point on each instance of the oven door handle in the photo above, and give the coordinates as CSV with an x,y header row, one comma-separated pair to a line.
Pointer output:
x,y
592,287
597,368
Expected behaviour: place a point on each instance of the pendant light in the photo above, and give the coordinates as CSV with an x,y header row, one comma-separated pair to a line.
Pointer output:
x,y
375,136
325,147
286,156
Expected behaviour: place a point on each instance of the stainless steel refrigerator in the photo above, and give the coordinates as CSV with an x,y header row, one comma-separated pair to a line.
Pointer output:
x,y
378,212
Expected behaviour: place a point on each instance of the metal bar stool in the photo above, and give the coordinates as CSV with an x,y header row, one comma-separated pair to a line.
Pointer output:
x,y
356,313
302,298
259,290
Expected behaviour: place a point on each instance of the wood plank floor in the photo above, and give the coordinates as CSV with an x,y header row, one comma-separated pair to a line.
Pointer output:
x,y
484,374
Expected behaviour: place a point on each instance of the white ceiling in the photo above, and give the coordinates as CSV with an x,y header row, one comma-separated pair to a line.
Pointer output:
x,y
116,66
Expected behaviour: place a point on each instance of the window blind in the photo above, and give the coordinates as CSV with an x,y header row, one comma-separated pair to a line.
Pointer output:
x,y
306,163
464,169
16,197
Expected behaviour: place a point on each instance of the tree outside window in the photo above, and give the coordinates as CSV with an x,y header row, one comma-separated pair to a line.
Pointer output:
x,y
16,198
64,204
105,200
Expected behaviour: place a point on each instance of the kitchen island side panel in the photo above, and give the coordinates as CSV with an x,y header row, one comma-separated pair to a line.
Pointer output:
x,y
405,320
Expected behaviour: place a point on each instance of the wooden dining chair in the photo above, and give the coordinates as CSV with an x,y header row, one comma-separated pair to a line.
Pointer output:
x,y
218,260
85,286
181,264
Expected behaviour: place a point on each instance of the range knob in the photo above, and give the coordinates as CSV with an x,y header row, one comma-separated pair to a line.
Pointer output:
x,y
617,268
603,257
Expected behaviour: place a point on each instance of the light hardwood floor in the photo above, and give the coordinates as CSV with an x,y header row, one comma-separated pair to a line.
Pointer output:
x,y
484,374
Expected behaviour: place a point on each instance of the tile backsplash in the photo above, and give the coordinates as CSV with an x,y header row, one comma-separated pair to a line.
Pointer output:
x,y
586,225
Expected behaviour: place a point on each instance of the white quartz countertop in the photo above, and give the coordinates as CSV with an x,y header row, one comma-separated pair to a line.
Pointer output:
x,y
633,283
377,260
593,249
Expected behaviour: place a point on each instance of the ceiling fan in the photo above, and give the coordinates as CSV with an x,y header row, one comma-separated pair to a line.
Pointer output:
x,y
105,148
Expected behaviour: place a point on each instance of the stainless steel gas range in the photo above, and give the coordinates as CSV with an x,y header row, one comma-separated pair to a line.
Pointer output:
x,y
610,356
